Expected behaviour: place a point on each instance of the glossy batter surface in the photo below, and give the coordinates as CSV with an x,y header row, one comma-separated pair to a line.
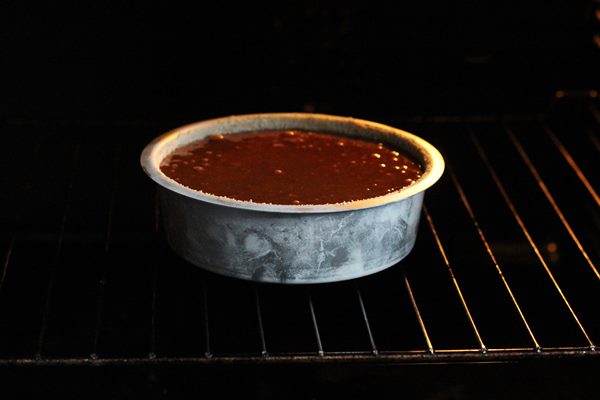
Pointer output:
x,y
290,167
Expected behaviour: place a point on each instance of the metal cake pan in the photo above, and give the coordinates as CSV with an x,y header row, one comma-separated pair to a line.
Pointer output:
x,y
292,244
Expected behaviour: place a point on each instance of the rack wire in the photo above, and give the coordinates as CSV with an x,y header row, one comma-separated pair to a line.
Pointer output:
x,y
505,267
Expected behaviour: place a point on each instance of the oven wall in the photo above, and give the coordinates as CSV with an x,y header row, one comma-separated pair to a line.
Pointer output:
x,y
138,61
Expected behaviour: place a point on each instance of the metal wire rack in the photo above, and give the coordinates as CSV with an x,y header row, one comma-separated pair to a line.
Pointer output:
x,y
505,267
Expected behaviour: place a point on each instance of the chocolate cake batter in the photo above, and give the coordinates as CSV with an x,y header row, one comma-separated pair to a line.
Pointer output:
x,y
290,167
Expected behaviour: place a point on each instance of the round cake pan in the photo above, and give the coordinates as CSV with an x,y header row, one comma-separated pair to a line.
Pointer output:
x,y
292,244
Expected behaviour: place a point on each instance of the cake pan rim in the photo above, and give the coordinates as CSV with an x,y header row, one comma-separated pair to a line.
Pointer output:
x,y
434,164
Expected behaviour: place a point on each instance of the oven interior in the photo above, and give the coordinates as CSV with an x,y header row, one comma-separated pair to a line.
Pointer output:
x,y
503,281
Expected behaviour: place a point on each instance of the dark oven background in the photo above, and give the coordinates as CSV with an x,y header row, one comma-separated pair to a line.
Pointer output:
x,y
150,62
121,74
